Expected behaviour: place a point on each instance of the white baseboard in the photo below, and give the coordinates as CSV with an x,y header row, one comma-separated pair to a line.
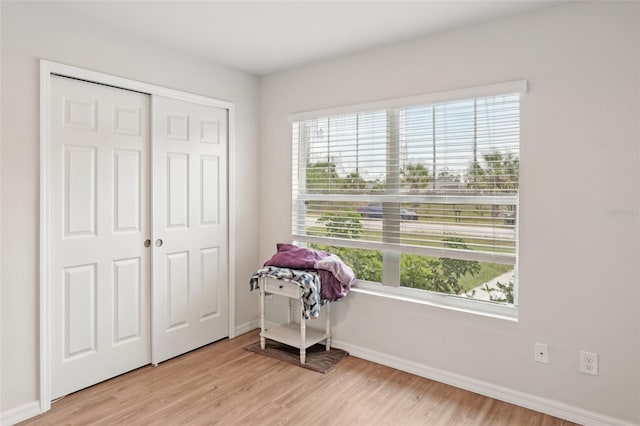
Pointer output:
x,y
20,413
247,327
532,402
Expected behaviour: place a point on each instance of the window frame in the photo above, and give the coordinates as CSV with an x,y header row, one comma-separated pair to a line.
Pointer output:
x,y
391,288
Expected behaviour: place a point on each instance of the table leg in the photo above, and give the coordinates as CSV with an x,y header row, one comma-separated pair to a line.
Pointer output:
x,y
262,296
328,326
303,349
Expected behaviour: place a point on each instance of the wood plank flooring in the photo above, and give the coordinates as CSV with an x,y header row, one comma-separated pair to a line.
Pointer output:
x,y
223,384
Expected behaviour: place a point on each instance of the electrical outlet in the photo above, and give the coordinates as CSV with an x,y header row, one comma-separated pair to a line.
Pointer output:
x,y
541,353
589,363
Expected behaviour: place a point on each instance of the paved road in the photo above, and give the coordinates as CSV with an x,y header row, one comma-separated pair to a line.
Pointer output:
x,y
436,228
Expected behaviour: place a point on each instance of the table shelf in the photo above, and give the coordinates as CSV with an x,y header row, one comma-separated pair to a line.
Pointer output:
x,y
289,334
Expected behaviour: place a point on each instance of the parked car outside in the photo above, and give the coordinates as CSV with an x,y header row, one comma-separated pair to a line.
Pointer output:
x,y
510,218
374,211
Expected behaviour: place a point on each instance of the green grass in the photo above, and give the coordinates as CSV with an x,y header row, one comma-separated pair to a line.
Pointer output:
x,y
488,271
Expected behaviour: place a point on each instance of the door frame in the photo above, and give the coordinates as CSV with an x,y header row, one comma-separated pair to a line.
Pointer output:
x,y
49,68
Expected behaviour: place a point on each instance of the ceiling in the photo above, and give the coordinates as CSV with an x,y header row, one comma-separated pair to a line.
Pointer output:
x,y
262,37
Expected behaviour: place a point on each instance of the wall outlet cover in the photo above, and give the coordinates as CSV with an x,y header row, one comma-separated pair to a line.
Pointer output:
x,y
589,363
541,353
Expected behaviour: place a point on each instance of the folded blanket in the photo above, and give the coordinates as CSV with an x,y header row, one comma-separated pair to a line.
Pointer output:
x,y
336,277
290,256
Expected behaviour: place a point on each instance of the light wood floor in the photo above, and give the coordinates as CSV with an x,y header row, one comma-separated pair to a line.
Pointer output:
x,y
224,384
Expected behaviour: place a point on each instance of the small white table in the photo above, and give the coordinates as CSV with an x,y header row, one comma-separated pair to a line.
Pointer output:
x,y
291,333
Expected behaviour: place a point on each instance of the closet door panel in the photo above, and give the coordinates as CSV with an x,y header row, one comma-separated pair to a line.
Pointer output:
x,y
99,268
128,304
79,190
210,282
210,190
190,308
177,190
127,180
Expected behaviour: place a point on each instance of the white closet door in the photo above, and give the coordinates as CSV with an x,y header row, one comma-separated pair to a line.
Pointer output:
x,y
190,276
99,221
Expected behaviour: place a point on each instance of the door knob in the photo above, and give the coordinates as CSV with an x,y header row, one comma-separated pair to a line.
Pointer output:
x,y
147,243
158,242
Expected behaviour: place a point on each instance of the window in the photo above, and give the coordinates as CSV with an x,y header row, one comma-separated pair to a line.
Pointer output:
x,y
420,198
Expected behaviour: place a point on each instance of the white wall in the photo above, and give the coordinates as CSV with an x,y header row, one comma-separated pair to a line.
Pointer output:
x,y
579,158
31,31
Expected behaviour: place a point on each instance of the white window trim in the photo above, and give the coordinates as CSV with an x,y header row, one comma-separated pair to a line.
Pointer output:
x,y
507,88
442,300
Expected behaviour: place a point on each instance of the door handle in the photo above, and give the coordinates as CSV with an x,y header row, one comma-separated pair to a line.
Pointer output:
x,y
147,243
158,242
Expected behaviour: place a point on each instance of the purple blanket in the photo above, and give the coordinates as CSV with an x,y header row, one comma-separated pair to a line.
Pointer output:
x,y
335,276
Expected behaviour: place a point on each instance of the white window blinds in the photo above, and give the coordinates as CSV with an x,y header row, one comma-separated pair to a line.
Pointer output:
x,y
436,179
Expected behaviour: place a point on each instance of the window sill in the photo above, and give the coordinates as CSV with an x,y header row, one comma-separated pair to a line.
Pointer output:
x,y
443,301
